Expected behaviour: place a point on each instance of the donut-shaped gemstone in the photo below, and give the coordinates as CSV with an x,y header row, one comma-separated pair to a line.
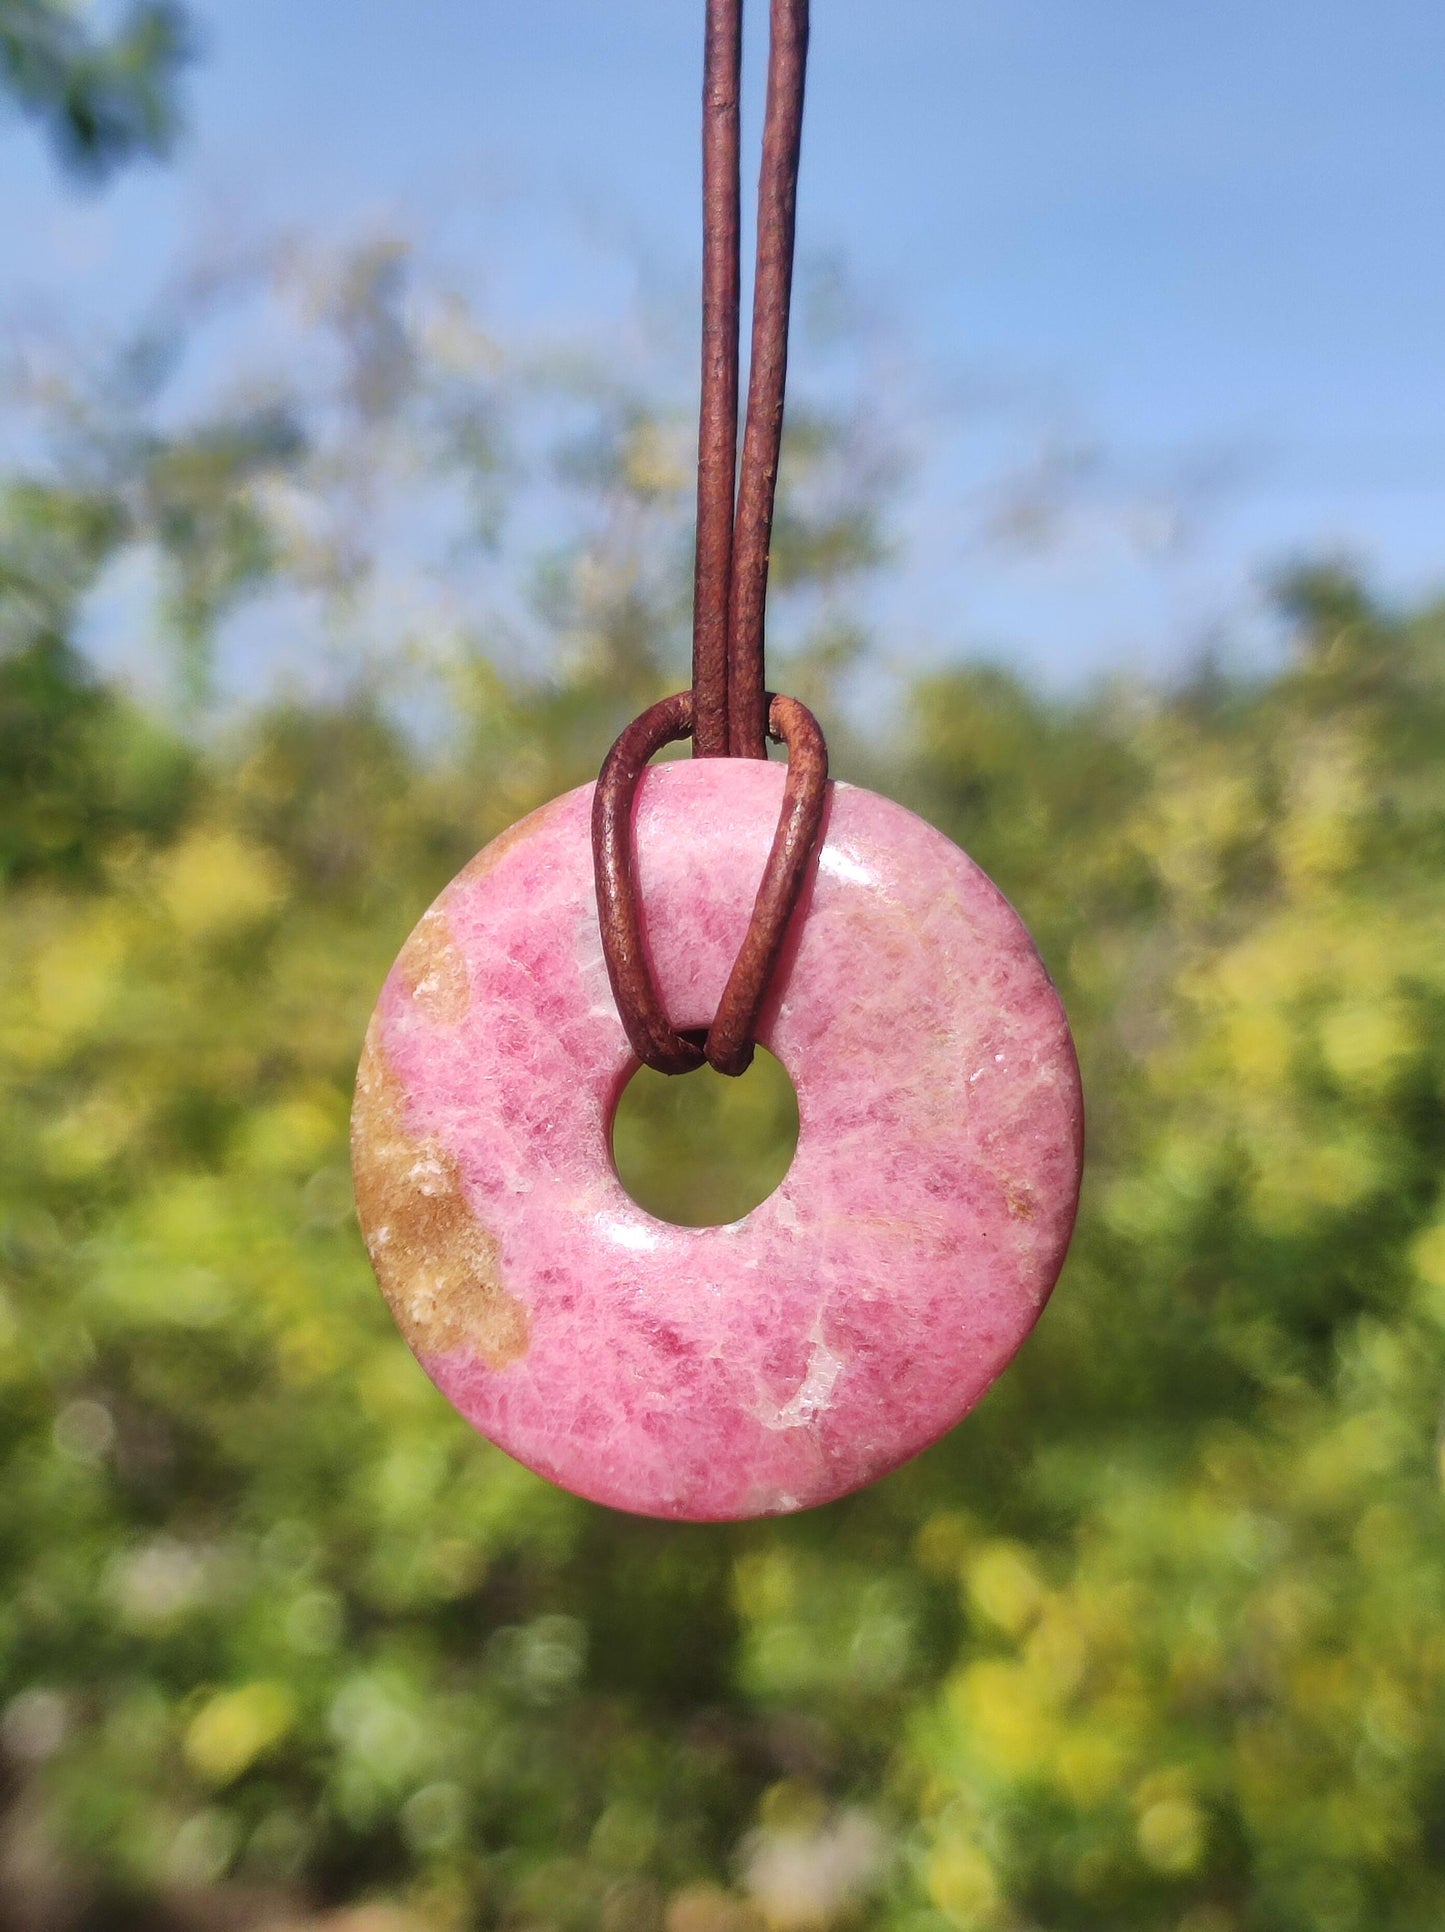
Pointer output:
x,y
852,1317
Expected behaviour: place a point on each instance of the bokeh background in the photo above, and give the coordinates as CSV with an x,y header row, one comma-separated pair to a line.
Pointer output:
x,y
345,438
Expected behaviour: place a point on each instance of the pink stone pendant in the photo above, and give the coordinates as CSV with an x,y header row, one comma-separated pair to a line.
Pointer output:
x,y
858,1312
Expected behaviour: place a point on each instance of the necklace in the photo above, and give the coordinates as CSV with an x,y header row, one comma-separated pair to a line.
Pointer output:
x,y
871,1300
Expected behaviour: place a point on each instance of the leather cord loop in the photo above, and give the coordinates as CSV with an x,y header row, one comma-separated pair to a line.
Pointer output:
x,y
729,1042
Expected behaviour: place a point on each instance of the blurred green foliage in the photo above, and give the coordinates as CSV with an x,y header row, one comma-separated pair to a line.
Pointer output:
x,y
1155,1642
706,1150
103,98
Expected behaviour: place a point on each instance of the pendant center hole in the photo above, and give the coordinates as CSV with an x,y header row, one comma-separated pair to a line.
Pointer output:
x,y
700,1149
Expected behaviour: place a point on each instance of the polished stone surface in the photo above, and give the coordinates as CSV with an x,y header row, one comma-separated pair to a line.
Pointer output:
x,y
852,1317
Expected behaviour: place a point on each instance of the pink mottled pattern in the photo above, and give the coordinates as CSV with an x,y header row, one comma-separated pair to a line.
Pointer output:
x,y
867,1305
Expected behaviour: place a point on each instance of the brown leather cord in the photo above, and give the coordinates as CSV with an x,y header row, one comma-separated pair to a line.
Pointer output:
x,y
717,443
729,1042
728,712
730,1037
767,377
654,1039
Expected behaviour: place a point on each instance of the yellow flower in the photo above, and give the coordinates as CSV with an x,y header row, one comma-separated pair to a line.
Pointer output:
x,y
1427,1256
1171,1834
962,1884
764,1584
293,1135
74,978
1005,1586
229,1733
1364,1041
1327,795
940,1544
653,461
215,882
1006,1718
1090,1764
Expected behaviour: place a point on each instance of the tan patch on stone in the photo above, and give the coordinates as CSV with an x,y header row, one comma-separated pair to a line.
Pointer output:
x,y
1021,1203
431,963
434,970
437,1265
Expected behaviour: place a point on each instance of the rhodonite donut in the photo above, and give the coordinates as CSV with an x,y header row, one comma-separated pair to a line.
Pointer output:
x,y
851,1318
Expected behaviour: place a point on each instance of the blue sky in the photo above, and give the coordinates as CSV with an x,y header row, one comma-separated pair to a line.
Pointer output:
x,y
1198,250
